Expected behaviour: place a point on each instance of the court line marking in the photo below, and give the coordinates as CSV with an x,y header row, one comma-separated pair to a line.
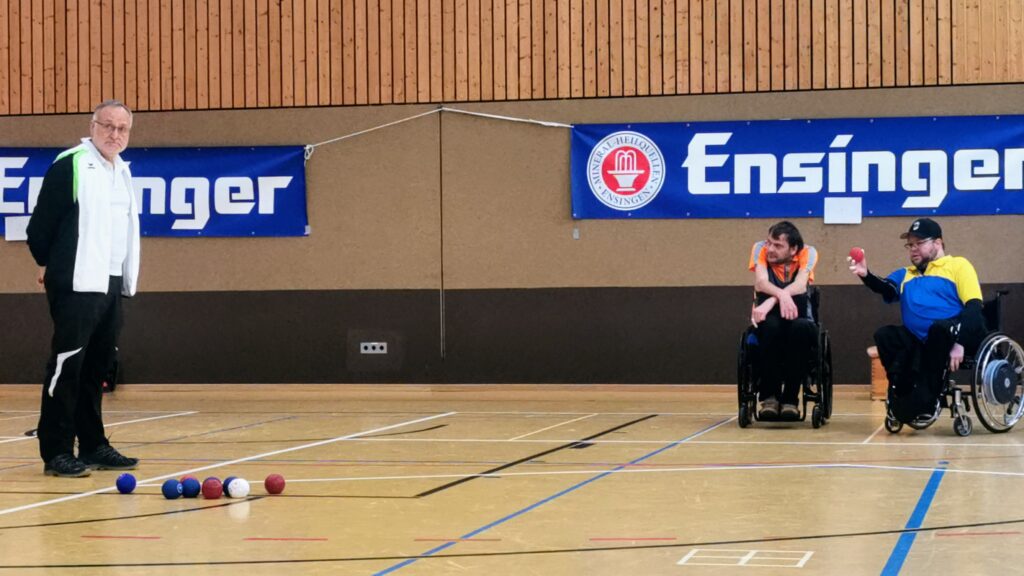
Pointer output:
x,y
554,426
897,444
906,540
554,496
222,464
136,421
823,466
873,434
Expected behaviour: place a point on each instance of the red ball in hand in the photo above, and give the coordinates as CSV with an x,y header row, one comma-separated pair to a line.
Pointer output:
x,y
857,254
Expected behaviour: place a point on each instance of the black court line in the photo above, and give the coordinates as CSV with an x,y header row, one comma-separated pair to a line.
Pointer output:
x,y
698,544
113,518
454,483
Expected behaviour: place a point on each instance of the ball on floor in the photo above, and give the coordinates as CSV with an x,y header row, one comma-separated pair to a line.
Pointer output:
x,y
274,484
212,488
238,488
171,488
190,487
125,483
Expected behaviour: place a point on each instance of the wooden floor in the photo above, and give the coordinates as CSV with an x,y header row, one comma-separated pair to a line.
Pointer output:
x,y
496,480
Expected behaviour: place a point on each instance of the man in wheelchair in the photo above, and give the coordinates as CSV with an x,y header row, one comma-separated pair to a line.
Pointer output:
x,y
781,314
941,307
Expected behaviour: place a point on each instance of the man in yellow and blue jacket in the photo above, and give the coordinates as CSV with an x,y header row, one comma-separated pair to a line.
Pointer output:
x,y
940,303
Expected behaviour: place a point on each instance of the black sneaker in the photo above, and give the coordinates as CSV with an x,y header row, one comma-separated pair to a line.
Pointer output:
x,y
66,466
106,458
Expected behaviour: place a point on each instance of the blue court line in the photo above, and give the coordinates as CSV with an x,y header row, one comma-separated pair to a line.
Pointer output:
x,y
899,553
535,505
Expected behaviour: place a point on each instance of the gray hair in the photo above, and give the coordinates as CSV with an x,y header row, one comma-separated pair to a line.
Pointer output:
x,y
112,104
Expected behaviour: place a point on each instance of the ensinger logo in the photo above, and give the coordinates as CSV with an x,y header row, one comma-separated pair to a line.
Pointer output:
x,y
625,170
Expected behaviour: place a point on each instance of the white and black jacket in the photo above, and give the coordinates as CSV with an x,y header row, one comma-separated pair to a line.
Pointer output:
x,y
69,232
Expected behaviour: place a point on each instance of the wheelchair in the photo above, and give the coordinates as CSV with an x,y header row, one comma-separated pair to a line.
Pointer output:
x,y
995,385
816,388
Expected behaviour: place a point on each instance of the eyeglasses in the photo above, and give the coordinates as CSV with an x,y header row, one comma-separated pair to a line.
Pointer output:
x,y
915,245
110,128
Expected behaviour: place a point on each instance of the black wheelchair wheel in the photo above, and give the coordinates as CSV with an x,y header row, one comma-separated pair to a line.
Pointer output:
x,y
817,416
744,416
893,425
826,376
997,385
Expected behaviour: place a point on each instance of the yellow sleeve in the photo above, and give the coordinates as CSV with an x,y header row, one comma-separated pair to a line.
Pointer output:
x,y
967,285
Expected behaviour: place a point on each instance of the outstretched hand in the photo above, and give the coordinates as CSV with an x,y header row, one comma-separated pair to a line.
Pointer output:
x,y
956,356
859,268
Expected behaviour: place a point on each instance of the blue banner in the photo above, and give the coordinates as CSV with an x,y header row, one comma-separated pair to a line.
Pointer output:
x,y
250,191
841,170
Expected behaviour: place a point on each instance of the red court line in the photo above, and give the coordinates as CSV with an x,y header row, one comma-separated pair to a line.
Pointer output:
x,y
457,539
976,533
667,539
99,537
286,539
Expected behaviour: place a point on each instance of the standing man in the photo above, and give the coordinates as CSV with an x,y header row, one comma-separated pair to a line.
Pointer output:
x,y
84,232
783,269
940,303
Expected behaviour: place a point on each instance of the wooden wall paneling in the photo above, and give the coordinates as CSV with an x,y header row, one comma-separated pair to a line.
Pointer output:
x,y
287,54
473,58
1015,29
106,44
737,50
324,48
61,57
434,64
311,36
177,55
5,59
615,48
643,47
710,46
764,46
361,66
412,53
89,59
46,77
945,41
902,42
845,18
14,56
992,40
750,46
30,54
257,50
915,40
832,56
682,28
819,46
590,46
723,45
525,65
668,46
339,67
222,84
697,46
448,50
564,48
628,47
462,50
374,30
860,43
499,48
191,40
512,49
487,45
930,42
239,71
391,57
299,50
777,50
874,43
203,53
274,49
576,48
551,48
804,53
142,54
603,48
791,41
959,41
888,43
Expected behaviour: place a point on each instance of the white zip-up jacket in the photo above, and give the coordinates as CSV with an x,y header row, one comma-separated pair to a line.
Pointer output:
x,y
70,231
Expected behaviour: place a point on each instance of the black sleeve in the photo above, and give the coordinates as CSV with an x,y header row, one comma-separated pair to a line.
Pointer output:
x,y
887,288
55,202
972,326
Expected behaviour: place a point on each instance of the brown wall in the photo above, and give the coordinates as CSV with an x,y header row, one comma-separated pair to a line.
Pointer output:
x,y
59,56
486,217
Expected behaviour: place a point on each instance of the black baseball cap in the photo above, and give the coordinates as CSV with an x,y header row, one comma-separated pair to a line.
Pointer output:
x,y
924,228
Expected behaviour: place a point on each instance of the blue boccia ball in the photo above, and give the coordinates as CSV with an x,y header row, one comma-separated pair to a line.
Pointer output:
x,y
190,487
171,489
125,483
227,485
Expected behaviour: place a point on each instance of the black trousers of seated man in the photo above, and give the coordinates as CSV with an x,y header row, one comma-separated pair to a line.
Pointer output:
x,y
86,326
786,350
915,368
